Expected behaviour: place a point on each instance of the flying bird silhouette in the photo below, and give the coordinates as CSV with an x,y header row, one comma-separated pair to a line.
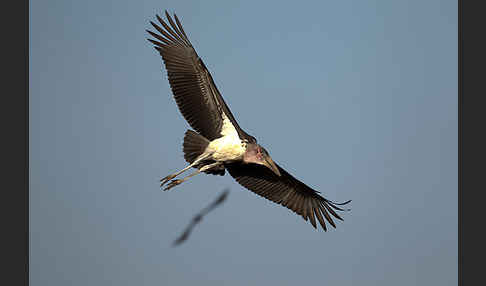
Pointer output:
x,y
219,142
198,217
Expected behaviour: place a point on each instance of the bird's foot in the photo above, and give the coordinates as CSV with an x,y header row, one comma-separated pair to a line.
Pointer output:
x,y
166,179
172,184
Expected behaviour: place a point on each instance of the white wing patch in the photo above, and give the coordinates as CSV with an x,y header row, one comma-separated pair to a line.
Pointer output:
x,y
229,147
228,129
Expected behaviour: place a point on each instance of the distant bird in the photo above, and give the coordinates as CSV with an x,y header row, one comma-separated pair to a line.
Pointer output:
x,y
198,217
219,143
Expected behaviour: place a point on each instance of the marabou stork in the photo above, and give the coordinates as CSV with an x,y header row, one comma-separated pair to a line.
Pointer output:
x,y
219,143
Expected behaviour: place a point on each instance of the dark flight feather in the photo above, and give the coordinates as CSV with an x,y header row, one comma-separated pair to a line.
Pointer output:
x,y
194,89
287,191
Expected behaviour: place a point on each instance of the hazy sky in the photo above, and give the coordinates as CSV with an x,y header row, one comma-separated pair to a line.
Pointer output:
x,y
358,99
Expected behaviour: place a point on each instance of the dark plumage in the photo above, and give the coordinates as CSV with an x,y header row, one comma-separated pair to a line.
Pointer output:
x,y
220,143
194,90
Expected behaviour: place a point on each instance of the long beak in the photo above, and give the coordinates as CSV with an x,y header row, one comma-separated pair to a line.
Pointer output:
x,y
271,165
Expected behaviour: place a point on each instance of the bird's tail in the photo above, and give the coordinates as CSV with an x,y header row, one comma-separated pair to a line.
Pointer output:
x,y
194,145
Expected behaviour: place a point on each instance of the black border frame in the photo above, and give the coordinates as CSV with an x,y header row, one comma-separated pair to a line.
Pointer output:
x,y
471,145
15,120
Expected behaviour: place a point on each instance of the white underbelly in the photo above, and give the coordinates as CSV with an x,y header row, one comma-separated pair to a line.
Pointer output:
x,y
227,148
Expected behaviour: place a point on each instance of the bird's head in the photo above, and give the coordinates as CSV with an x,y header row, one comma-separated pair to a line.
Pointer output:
x,y
258,155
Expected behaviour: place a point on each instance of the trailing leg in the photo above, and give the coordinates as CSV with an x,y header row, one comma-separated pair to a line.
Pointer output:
x,y
172,176
174,183
194,146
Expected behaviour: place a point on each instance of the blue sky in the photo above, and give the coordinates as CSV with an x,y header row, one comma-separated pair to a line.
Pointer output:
x,y
358,99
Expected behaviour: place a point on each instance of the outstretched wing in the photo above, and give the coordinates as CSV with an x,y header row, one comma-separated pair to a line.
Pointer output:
x,y
287,191
193,87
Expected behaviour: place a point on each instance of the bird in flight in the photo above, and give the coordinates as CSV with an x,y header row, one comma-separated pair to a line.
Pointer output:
x,y
218,142
198,217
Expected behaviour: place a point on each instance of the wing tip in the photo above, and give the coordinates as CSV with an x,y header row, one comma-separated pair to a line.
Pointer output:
x,y
167,14
335,205
341,204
